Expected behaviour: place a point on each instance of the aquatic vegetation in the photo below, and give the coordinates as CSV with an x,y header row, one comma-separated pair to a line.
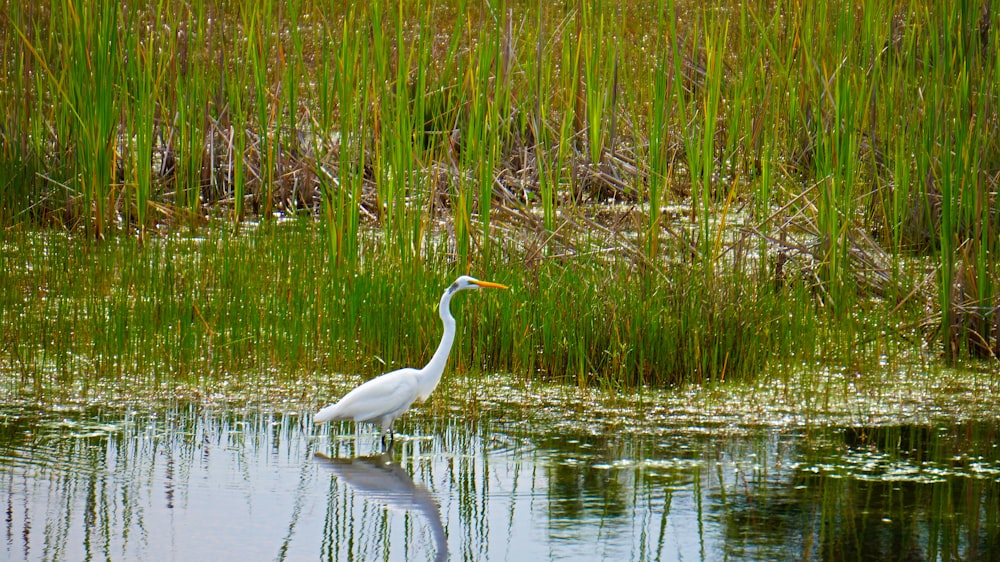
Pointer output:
x,y
223,308
730,180
755,241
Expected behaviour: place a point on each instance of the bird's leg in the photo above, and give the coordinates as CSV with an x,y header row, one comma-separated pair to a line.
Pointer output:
x,y
392,439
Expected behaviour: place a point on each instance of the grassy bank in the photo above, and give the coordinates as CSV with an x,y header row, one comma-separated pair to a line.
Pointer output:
x,y
193,311
682,192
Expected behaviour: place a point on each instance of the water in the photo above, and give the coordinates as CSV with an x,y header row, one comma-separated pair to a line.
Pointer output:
x,y
511,482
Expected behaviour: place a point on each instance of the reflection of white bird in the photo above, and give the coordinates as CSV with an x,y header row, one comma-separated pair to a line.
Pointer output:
x,y
383,481
385,398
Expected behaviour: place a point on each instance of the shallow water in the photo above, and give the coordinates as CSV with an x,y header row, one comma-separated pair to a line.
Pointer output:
x,y
195,482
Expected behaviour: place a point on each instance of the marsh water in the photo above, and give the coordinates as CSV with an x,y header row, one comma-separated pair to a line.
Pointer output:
x,y
520,475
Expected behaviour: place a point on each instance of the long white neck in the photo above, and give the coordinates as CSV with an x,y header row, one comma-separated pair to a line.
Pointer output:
x,y
431,373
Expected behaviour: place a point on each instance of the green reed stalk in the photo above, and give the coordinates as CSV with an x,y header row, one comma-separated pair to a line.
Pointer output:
x,y
190,116
660,111
394,155
548,175
902,195
93,67
23,147
597,67
353,61
259,49
144,75
424,139
988,269
957,186
392,148
491,113
293,66
980,204
481,136
659,162
764,125
471,131
404,144
235,92
837,162
322,137
973,98
973,204
568,134
703,172
946,242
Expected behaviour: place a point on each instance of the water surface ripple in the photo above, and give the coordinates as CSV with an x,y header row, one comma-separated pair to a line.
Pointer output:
x,y
201,482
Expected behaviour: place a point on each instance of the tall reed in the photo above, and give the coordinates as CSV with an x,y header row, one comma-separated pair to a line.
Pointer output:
x,y
89,108
198,311
144,75
846,140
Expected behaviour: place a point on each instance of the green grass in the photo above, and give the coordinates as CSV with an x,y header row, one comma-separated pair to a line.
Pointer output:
x,y
195,310
711,181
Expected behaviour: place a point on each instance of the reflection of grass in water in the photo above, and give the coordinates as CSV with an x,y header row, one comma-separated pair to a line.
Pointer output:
x,y
755,490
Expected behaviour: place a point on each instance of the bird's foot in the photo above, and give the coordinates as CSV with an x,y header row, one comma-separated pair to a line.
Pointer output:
x,y
392,439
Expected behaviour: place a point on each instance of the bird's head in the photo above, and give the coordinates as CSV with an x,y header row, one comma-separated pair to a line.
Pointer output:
x,y
466,282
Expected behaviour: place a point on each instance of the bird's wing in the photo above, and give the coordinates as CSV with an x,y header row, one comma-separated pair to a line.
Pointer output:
x,y
374,399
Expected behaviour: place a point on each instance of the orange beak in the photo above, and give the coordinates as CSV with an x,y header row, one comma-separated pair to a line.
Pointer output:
x,y
490,285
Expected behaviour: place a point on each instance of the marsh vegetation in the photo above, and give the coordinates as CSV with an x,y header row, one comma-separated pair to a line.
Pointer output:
x,y
789,205
711,188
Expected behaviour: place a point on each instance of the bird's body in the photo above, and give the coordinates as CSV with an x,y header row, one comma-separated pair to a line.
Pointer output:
x,y
385,398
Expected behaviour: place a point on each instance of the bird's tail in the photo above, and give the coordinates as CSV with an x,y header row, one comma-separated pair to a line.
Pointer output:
x,y
326,414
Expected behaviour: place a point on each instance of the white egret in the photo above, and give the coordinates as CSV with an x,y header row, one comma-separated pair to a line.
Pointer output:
x,y
385,398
